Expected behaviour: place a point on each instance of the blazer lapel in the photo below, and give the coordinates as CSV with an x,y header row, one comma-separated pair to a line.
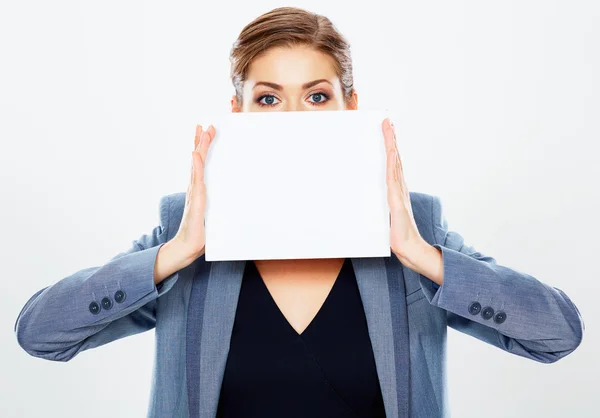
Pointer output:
x,y
381,286
211,315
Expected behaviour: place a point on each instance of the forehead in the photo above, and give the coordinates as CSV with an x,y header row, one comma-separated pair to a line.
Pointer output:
x,y
292,66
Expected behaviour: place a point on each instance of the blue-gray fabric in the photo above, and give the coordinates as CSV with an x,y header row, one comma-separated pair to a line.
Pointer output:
x,y
193,311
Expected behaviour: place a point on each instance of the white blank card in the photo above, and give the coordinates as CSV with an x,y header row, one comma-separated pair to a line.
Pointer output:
x,y
291,185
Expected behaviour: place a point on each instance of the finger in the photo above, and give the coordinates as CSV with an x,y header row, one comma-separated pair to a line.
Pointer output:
x,y
198,187
388,134
391,150
400,173
196,141
398,161
399,167
393,186
211,131
197,136
193,168
391,172
205,142
200,154
188,194
211,134
397,189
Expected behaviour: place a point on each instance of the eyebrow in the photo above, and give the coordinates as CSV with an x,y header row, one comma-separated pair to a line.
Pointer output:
x,y
277,87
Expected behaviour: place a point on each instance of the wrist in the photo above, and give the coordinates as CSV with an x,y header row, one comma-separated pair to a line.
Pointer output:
x,y
424,259
409,257
182,253
415,255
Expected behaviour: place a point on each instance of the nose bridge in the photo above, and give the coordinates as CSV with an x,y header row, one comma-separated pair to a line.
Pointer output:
x,y
294,103
291,105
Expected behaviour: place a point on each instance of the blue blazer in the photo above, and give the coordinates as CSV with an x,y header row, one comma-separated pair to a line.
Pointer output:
x,y
193,310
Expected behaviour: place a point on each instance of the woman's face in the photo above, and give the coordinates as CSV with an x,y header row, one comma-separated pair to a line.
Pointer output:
x,y
292,79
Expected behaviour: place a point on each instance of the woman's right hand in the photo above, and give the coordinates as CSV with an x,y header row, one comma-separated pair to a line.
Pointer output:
x,y
191,234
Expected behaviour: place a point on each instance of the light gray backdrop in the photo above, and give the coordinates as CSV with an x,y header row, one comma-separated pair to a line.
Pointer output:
x,y
496,107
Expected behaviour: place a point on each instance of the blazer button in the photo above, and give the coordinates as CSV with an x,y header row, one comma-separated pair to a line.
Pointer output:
x,y
487,312
120,296
500,317
474,308
95,308
106,303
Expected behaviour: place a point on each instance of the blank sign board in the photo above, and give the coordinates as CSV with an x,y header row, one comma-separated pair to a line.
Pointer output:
x,y
294,185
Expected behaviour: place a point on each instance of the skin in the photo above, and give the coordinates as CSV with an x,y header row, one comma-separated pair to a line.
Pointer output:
x,y
300,78
290,68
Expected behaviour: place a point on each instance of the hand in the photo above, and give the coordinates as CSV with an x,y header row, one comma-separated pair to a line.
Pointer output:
x,y
191,234
405,238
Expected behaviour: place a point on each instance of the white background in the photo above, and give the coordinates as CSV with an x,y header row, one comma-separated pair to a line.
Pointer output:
x,y
497,107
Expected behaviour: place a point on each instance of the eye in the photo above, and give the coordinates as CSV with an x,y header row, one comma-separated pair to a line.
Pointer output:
x,y
318,98
267,100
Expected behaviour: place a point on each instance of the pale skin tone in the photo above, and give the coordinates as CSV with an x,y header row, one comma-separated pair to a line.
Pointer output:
x,y
300,78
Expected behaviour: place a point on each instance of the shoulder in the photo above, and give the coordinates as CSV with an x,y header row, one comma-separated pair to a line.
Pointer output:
x,y
171,211
427,211
422,202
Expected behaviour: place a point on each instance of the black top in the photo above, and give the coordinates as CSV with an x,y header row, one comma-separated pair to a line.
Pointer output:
x,y
326,371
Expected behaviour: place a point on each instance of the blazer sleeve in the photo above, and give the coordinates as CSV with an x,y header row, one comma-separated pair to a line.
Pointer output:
x,y
498,305
97,305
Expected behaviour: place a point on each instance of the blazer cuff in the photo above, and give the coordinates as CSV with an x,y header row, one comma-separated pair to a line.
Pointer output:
x,y
514,303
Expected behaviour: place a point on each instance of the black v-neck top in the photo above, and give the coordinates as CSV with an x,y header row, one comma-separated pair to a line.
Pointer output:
x,y
326,371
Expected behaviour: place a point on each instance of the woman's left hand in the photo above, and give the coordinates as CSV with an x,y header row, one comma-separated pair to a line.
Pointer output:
x,y
405,239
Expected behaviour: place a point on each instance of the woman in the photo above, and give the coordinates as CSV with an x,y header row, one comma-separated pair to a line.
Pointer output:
x,y
306,338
